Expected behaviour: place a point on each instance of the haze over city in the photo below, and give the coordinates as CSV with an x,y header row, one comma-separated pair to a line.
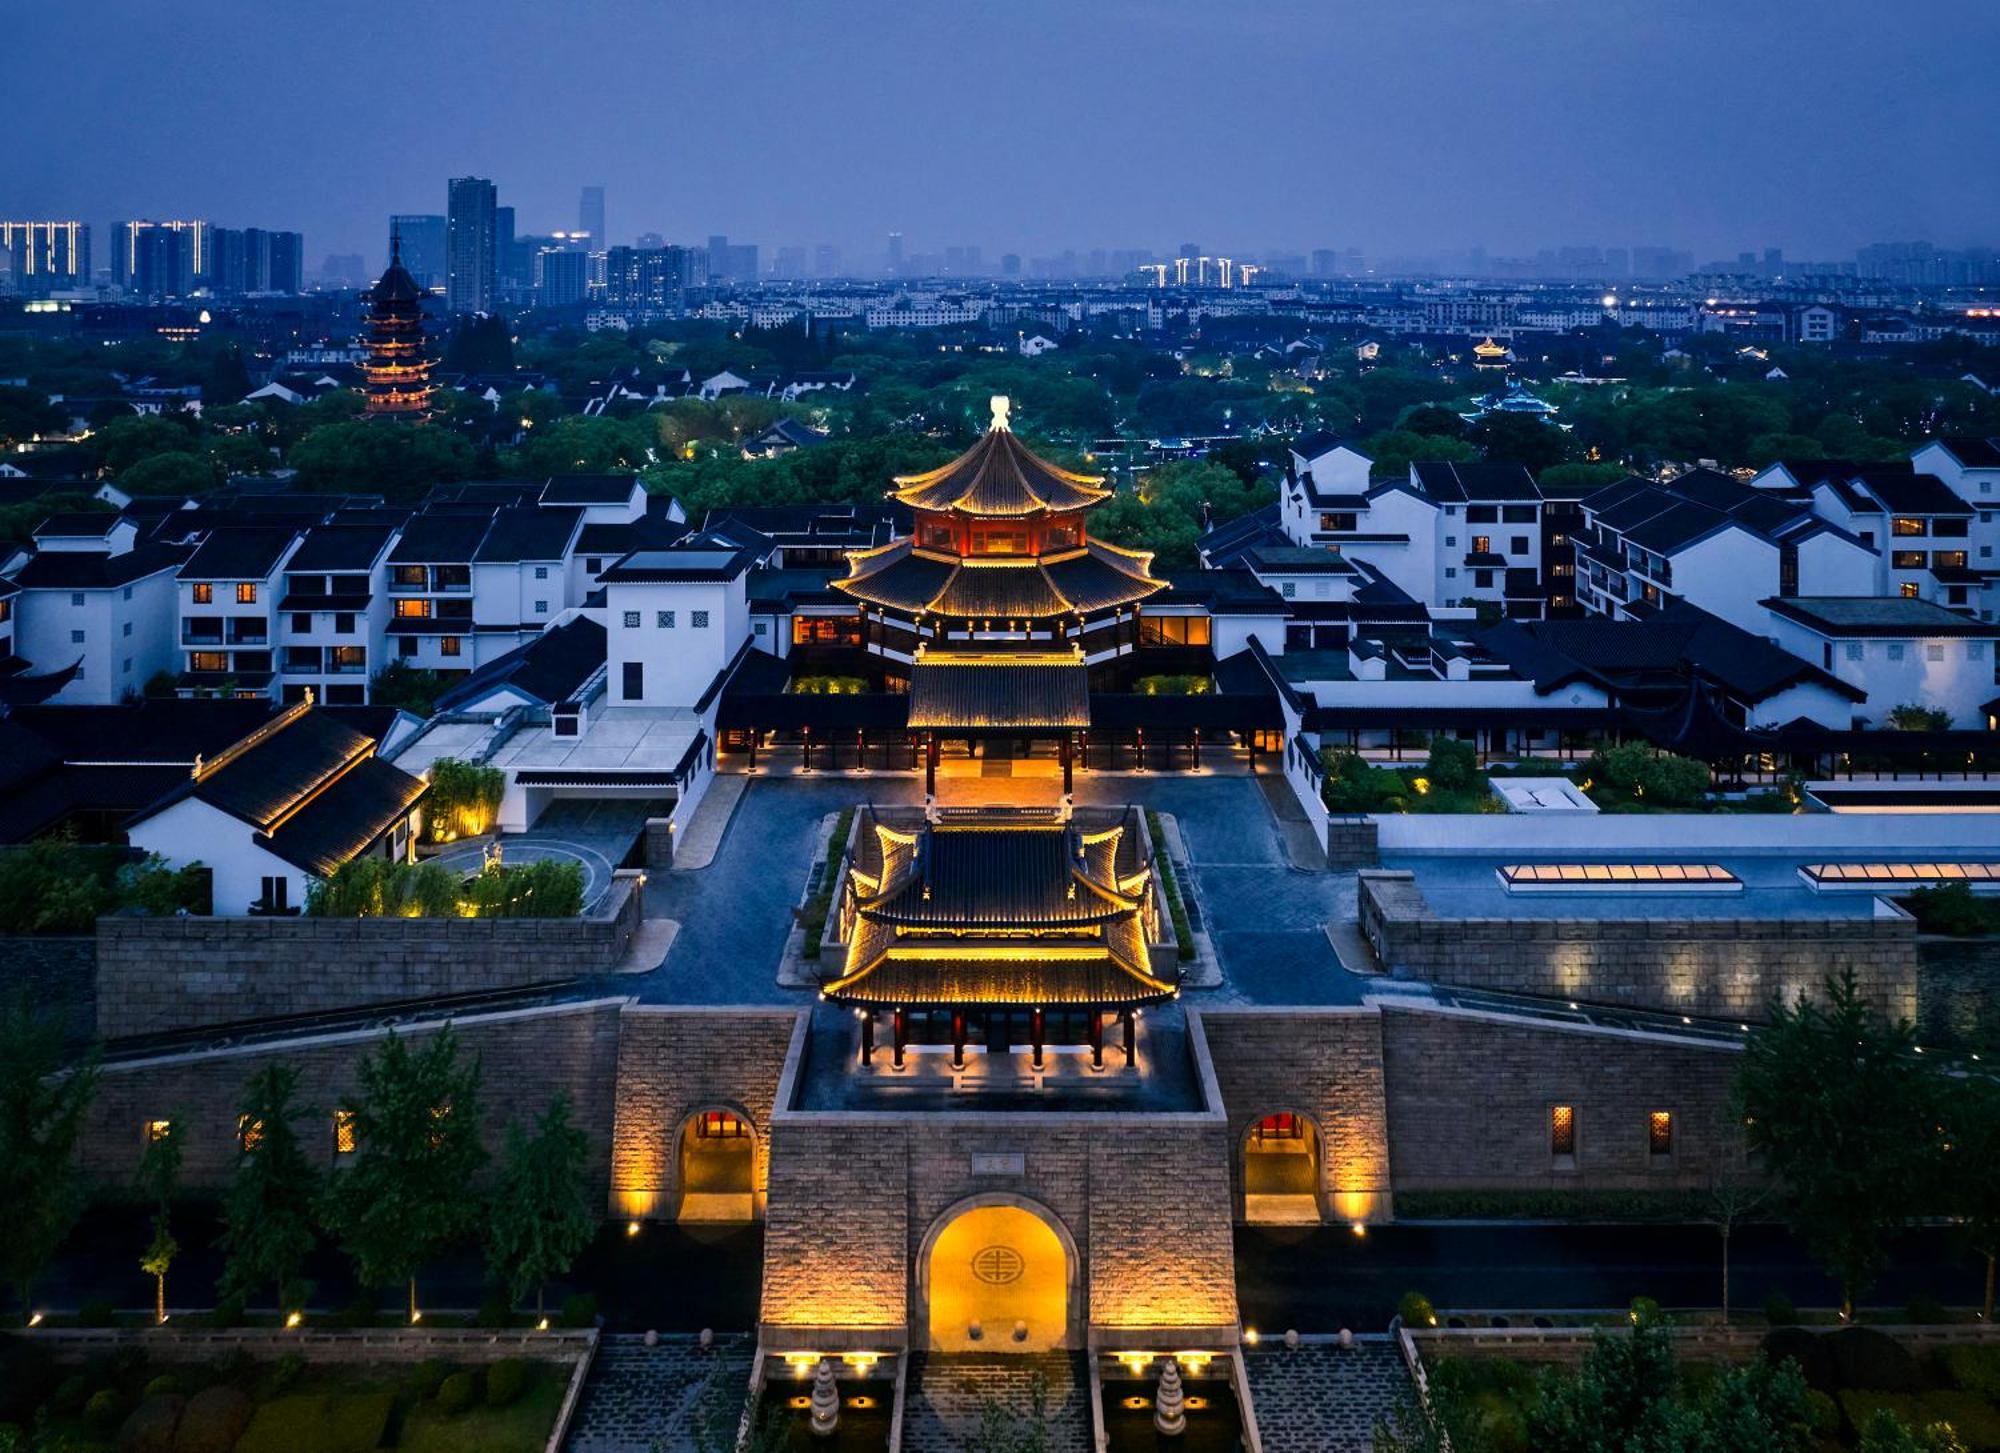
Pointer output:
x,y
1402,129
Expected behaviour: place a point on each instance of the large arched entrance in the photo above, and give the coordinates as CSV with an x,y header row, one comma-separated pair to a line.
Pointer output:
x,y
996,1274
717,1161
1281,1171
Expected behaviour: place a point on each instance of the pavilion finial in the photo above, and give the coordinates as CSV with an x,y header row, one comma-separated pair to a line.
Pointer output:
x,y
1001,405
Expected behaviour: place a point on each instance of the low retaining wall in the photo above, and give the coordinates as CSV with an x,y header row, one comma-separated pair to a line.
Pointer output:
x,y
156,975
1351,842
384,1345
1723,967
1569,1345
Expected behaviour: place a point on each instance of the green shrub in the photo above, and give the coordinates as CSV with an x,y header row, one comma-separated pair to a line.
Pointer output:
x,y
1927,1312
96,1314
1866,1358
1808,1350
580,1310
234,1367
71,1394
149,1428
167,1384
1911,718
319,1423
1352,785
1861,1407
1953,909
464,799
1822,1414
1971,1416
1640,773
377,888
213,1420
1170,885
1973,1368
542,889
285,1374
104,1411
1779,1311
428,1376
1453,765
506,1381
1416,1310
497,1310
359,1313
458,1392
821,898
226,1313
1645,1312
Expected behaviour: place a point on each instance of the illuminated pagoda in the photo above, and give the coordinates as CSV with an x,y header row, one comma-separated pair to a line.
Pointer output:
x,y
998,599
398,369
1005,925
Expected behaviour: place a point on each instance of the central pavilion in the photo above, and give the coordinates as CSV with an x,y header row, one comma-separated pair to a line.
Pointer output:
x,y
998,599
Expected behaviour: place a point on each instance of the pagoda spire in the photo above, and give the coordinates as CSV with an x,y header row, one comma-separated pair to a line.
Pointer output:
x,y
398,369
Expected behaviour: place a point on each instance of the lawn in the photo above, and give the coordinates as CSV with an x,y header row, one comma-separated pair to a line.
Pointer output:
x,y
520,1428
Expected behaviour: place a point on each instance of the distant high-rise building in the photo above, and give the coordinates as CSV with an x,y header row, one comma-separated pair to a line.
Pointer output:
x,y
471,245
1774,261
562,276
513,264
731,262
286,272
398,370
160,259
1010,264
826,260
895,253
423,245
652,277
790,261
650,241
47,256
343,270
590,217
254,260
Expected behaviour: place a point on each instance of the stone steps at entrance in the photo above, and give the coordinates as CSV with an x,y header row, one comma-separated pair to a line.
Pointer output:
x,y
1320,1398
946,1395
640,1399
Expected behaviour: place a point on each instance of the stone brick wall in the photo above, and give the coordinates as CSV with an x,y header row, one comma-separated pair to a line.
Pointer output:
x,y
1727,967
1469,1099
1351,842
525,1056
659,842
156,975
57,974
1325,1064
673,1062
1143,1198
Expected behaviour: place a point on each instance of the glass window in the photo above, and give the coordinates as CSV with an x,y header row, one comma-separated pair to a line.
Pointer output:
x,y
249,1132
664,620
246,592
413,609
158,1130
1660,1132
449,645
1904,525
343,1132
631,620
204,594
698,619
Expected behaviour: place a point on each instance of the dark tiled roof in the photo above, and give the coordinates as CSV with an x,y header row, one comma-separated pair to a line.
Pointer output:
x,y
353,812
528,532
1311,446
77,525
340,547
548,669
678,565
1972,451
999,476
1913,494
1035,693
248,552
1457,483
588,489
1877,615
92,570
440,537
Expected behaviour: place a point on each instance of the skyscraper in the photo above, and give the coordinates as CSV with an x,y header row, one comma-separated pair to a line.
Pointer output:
x,y
160,259
895,254
590,218
422,234
47,255
471,244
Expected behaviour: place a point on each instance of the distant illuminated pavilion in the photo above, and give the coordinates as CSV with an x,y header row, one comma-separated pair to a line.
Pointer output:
x,y
998,599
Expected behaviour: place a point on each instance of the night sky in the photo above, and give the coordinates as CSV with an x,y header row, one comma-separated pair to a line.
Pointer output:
x,y
1402,127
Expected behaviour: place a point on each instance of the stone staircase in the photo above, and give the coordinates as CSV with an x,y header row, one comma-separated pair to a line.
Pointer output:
x,y
1319,1398
639,1398
946,1396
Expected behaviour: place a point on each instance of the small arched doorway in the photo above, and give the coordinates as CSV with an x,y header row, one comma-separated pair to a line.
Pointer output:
x,y
996,1275
1281,1171
716,1158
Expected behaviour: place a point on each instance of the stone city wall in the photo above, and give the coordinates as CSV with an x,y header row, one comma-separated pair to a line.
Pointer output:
x,y
1144,1200
1470,1097
526,1056
156,975
1726,967
56,973
675,1062
1325,1064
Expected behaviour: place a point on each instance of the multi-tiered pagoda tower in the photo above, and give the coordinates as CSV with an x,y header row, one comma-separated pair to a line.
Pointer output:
x,y
398,369
999,600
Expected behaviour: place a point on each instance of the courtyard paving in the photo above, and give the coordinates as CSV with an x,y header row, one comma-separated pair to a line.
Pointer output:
x,y
1323,1398
946,1397
642,1399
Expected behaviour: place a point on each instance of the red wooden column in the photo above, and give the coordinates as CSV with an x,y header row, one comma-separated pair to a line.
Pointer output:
x,y
900,1034
1131,1036
867,1035
1066,765
1036,1034
958,1039
930,764
1097,1039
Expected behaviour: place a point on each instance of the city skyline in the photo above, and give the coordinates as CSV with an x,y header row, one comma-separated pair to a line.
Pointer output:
x,y
1645,131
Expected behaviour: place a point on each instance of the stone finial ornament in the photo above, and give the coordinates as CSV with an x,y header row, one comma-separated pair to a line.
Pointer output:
x,y
1169,1403
825,1401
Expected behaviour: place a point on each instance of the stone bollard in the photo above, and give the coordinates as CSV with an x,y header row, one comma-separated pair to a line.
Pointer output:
x,y
825,1401
975,1333
652,1338
1346,1339
1169,1405
1292,1338
1020,1331
707,1338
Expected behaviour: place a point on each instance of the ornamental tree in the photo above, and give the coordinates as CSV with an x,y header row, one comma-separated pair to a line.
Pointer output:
x,y
540,1217
267,1216
1848,1122
42,1107
408,1195
159,1177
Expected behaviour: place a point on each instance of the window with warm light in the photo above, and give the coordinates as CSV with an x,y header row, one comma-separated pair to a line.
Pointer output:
x,y
249,1132
1660,1132
413,610
1562,1130
343,1132
204,593
158,1130
1907,526
246,592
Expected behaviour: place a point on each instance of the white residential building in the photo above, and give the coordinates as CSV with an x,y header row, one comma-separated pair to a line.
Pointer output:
x,y
92,595
1902,651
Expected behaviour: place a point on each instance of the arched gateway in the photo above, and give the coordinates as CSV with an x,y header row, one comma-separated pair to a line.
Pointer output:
x,y
997,1273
